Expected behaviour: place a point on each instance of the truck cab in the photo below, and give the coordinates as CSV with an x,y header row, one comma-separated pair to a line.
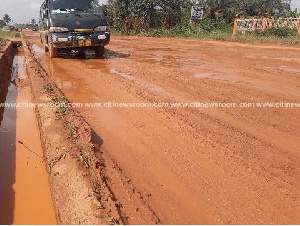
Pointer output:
x,y
73,24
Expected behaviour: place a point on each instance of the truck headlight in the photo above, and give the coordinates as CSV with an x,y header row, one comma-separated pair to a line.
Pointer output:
x,y
58,29
101,28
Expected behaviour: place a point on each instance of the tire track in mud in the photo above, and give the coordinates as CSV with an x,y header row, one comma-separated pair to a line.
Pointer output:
x,y
112,173
274,171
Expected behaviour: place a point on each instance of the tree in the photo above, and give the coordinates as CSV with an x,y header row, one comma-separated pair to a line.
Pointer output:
x,y
172,11
261,7
135,15
33,22
6,19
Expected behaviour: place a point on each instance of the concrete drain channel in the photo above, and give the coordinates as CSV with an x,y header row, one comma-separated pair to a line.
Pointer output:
x,y
25,190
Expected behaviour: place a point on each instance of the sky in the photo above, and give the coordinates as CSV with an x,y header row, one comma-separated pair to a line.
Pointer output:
x,y
22,11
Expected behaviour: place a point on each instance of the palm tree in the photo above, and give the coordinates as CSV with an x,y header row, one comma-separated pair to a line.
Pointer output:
x,y
6,19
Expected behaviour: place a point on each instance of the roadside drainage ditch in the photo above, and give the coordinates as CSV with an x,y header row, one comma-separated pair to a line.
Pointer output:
x,y
24,186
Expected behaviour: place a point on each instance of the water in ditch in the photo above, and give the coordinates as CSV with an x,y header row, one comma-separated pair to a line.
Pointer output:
x,y
24,185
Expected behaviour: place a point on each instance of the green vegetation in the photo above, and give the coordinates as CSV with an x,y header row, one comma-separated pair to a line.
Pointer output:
x,y
8,34
61,111
127,15
219,30
85,147
56,160
6,19
108,219
71,130
262,38
164,18
49,89
281,32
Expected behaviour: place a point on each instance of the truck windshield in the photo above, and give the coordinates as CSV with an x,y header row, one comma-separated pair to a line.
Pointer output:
x,y
69,6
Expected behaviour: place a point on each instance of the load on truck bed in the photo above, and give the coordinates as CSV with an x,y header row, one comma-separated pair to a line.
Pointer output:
x,y
75,24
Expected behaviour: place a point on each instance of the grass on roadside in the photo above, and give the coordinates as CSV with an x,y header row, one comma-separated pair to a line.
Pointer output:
x,y
8,34
252,38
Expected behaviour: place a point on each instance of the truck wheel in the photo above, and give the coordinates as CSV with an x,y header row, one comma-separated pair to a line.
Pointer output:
x,y
99,51
81,53
53,51
46,49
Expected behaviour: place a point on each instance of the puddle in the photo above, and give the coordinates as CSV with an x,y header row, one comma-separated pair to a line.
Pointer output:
x,y
25,191
74,88
222,78
285,69
142,83
292,70
287,59
69,82
115,55
205,75
38,50
238,80
161,49
169,61
123,75
18,68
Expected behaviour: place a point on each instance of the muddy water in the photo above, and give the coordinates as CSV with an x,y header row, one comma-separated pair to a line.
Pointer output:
x,y
25,191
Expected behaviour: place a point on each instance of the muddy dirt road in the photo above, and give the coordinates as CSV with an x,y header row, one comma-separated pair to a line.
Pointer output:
x,y
193,165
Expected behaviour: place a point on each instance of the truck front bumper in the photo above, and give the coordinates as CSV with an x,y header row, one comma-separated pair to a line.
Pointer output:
x,y
79,40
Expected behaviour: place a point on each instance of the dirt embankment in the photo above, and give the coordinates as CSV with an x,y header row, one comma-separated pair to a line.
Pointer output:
x,y
6,57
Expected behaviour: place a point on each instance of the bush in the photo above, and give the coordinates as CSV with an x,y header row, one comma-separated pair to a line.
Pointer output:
x,y
281,32
221,30
209,25
205,29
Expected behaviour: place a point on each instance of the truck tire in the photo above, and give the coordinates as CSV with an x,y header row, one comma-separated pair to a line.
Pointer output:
x,y
81,53
99,51
53,51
